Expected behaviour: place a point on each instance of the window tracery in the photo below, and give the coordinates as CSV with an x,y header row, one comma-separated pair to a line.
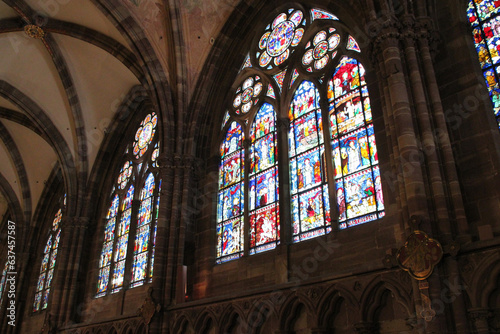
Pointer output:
x,y
308,58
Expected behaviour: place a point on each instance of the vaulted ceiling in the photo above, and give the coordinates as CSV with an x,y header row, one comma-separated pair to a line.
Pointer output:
x,y
67,65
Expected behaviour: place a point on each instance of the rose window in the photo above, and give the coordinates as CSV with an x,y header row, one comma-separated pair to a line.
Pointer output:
x,y
319,50
284,33
247,95
144,135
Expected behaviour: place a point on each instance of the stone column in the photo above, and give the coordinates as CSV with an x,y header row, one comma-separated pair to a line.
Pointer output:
x,y
408,162
440,122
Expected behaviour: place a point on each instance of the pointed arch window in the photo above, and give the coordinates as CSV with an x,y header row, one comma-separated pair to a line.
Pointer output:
x,y
484,18
131,220
49,258
303,70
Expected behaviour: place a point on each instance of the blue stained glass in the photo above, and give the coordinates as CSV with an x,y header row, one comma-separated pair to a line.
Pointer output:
x,y
139,267
56,241
36,303
142,239
121,248
311,210
124,226
349,113
149,187
354,152
317,14
127,203
263,189
231,237
118,272
153,254
308,169
50,275
233,201
305,133
306,98
53,257
106,253
346,77
486,8
378,189
102,286
145,212
41,282
109,232
352,45
114,207
264,122
262,154
231,169
45,262
48,246
360,194
45,299
233,141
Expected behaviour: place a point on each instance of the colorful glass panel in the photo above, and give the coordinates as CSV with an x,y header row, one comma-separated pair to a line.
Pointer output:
x,y
144,135
307,164
279,78
354,153
230,206
280,38
318,14
3,280
352,44
485,21
48,264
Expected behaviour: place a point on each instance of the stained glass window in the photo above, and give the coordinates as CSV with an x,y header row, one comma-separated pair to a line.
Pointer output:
x,y
230,221
357,175
263,182
128,225
48,264
3,281
485,22
329,137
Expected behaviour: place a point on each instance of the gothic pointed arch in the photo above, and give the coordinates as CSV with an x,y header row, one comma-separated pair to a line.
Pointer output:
x,y
128,243
301,90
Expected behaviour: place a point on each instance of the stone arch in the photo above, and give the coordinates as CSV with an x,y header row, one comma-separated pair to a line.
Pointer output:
x,y
335,302
485,281
205,324
261,317
183,325
141,329
296,312
379,301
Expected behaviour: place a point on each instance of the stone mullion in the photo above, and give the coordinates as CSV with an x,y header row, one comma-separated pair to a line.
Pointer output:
x,y
427,138
444,139
284,201
163,238
246,189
